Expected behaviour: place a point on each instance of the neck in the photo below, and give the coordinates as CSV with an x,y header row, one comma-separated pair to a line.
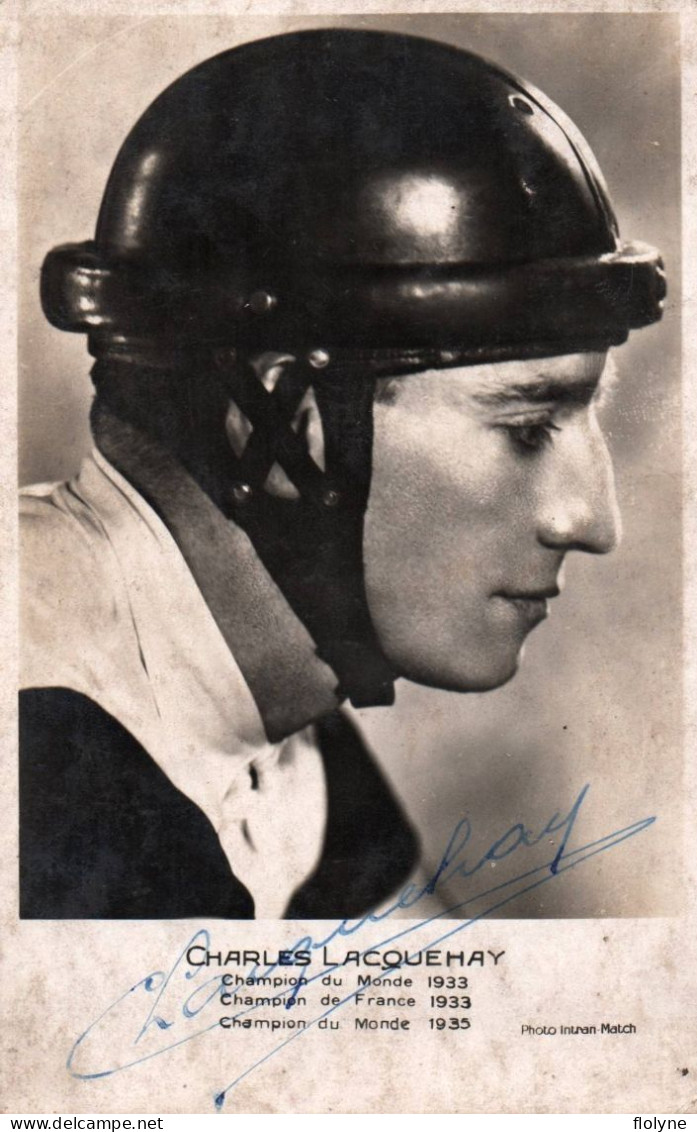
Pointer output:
x,y
290,684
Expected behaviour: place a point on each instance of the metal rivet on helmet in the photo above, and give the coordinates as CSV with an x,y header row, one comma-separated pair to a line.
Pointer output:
x,y
318,359
261,302
241,492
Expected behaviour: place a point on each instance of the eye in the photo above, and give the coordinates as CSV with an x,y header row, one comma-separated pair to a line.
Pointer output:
x,y
531,436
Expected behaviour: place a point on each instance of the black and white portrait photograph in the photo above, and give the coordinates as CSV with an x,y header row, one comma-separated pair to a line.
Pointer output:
x,y
349,443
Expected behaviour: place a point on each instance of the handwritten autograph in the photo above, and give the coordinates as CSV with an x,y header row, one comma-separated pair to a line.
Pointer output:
x,y
452,864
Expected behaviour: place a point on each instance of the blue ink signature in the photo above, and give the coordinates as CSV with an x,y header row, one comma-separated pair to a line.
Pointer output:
x,y
451,866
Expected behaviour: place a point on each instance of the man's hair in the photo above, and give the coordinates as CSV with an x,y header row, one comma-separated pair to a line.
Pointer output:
x,y
387,389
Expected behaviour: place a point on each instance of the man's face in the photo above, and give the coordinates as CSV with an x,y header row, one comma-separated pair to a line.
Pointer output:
x,y
483,478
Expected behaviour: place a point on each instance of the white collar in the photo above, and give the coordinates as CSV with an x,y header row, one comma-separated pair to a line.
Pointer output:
x,y
112,611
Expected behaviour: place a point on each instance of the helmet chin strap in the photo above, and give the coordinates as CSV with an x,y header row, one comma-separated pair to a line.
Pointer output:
x,y
311,546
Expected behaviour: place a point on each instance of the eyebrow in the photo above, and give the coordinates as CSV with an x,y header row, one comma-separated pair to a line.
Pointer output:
x,y
577,392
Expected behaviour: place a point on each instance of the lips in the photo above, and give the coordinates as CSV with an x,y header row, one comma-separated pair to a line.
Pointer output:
x,y
530,605
530,595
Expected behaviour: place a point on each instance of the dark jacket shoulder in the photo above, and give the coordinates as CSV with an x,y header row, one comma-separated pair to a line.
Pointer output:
x,y
105,834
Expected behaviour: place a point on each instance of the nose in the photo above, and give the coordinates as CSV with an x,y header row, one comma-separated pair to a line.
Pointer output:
x,y
578,504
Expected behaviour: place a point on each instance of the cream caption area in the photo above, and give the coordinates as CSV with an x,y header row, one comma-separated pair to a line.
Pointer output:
x,y
350,724
251,1007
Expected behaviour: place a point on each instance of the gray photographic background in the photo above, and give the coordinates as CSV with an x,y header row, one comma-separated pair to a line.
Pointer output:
x,y
597,699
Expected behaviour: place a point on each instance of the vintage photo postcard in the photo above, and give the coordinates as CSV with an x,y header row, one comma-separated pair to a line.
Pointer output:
x,y
347,761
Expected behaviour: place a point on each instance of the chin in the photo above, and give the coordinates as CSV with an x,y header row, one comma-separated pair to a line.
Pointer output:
x,y
475,675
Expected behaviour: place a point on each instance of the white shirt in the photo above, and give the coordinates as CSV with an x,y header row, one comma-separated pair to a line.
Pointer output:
x,y
111,610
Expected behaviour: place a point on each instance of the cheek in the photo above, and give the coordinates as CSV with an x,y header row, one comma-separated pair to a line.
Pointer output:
x,y
449,515
437,478
437,520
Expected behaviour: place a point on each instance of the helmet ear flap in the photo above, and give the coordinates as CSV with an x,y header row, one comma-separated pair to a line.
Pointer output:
x,y
311,538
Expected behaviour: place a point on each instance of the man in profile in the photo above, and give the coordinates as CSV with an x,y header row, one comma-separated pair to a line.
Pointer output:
x,y
350,327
